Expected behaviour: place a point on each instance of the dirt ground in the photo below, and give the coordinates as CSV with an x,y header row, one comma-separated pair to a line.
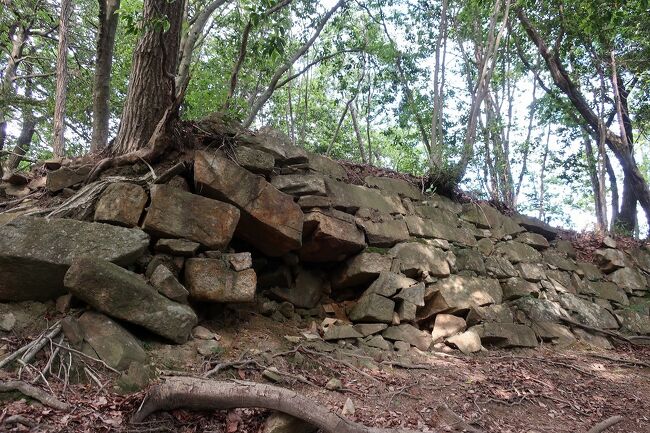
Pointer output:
x,y
548,389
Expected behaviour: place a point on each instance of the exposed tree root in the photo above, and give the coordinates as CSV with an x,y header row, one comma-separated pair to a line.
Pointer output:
x,y
201,394
604,425
613,334
33,392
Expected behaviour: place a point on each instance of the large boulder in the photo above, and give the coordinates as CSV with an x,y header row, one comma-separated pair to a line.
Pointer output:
x,y
300,184
517,252
351,198
506,334
588,313
304,292
384,233
535,225
125,295
212,280
324,165
373,308
113,344
409,334
609,259
270,220
330,237
395,186
421,227
35,253
629,279
361,269
121,203
458,293
174,213
416,258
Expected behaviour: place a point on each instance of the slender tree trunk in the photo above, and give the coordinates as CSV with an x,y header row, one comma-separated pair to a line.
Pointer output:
x,y
613,186
152,81
542,179
61,79
601,218
108,19
279,72
357,132
435,158
18,36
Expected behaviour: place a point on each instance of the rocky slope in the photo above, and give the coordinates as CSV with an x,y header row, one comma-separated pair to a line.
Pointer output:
x,y
266,223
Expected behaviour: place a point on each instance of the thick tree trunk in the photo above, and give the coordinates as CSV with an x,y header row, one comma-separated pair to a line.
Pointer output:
x,y
152,81
28,127
108,19
61,79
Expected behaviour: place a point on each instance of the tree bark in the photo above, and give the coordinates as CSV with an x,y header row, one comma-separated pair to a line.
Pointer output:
x,y
201,394
108,19
357,132
601,217
152,82
18,36
58,146
28,127
189,41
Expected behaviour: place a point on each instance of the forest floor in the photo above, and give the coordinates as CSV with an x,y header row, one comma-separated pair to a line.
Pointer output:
x,y
548,389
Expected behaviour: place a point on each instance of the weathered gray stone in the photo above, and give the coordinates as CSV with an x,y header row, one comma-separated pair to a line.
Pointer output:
x,y
178,214
590,271
610,260
373,308
177,247
212,280
482,215
367,329
416,258
413,294
352,197
270,220
254,160
121,203
536,226
592,339
279,422
238,261
114,344
327,166
124,295
7,322
610,291
535,240
531,271
458,293
540,310
35,253
167,284
629,280
421,227
330,237
395,186
632,321
470,260
640,305
385,233
514,288
361,269
389,283
500,267
447,325
406,311
553,332
587,312
305,292
517,252
506,334
65,177
437,215
340,332
566,247
300,184
485,246
556,259
499,313
467,342
409,334
378,342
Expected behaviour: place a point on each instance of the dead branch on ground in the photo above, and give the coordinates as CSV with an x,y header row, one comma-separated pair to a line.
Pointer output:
x,y
33,392
604,425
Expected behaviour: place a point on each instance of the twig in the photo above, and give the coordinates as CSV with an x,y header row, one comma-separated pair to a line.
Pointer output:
x,y
19,419
22,351
604,425
341,361
455,421
621,360
33,392
70,349
602,331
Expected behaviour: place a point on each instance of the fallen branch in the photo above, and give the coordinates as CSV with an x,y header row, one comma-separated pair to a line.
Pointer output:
x,y
33,392
621,360
604,425
200,394
454,421
616,335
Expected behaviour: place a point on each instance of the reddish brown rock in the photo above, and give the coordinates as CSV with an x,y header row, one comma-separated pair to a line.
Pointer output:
x,y
178,214
212,280
330,237
122,204
270,220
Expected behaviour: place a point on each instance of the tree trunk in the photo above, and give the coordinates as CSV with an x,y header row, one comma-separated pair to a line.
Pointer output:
x,y
18,36
599,198
357,132
28,126
61,79
108,19
152,81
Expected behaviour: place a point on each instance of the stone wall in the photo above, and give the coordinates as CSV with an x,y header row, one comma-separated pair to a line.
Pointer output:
x,y
271,224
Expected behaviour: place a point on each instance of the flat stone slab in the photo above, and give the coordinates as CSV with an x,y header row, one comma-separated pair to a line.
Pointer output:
x,y
330,237
506,334
174,213
270,220
125,295
212,280
416,258
121,203
35,253
458,293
